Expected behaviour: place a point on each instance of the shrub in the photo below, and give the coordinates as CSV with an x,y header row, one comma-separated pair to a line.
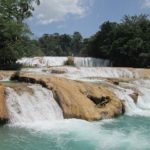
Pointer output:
x,y
69,62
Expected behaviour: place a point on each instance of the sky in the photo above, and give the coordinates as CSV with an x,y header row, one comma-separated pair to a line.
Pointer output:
x,y
85,16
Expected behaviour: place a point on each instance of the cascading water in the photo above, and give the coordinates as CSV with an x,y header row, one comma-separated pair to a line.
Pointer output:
x,y
33,107
88,72
90,62
124,91
104,72
59,61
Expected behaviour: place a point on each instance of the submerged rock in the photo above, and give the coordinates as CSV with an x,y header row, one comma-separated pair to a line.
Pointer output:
x,y
77,98
3,108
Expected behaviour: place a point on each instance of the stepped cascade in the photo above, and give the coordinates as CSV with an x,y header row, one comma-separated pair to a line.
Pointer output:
x,y
91,72
59,61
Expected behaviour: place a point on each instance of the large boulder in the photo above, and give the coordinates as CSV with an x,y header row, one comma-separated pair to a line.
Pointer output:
x,y
77,98
3,108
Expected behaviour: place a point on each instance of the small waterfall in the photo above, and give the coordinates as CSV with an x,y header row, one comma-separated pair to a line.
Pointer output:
x,y
142,107
144,99
91,62
34,107
59,61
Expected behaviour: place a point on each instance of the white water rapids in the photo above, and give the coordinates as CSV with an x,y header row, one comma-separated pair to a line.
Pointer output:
x,y
25,107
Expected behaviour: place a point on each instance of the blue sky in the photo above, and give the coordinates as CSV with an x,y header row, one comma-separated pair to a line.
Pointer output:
x,y
85,16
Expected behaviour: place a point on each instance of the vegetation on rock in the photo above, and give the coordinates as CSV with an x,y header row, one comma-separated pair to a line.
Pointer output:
x,y
69,62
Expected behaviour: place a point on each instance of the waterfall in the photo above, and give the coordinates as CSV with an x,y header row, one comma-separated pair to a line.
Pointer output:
x,y
142,107
91,62
33,107
42,61
59,61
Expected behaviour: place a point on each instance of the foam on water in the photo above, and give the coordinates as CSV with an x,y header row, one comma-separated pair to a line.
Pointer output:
x,y
75,134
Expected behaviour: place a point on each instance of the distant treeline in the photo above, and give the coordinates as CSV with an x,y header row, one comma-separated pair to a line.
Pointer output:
x,y
125,44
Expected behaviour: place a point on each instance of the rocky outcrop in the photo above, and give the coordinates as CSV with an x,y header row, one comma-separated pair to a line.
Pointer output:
x,y
78,99
58,71
134,96
3,108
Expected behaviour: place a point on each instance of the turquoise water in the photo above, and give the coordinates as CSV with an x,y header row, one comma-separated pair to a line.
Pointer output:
x,y
124,133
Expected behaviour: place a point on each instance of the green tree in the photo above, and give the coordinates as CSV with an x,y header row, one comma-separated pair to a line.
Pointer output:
x,y
61,45
12,28
131,41
100,43
77,41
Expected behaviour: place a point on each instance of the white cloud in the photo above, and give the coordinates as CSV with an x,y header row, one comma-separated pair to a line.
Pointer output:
x,y
147,3
57,10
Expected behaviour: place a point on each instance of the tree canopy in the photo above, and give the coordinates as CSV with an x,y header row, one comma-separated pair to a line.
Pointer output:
x,y
13,30
125,44
61,45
